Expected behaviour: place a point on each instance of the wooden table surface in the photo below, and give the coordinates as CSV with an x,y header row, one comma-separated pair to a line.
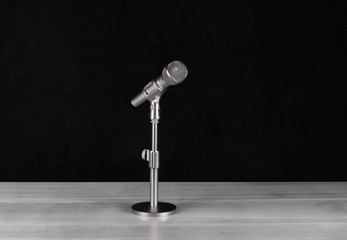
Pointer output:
x,y
205,211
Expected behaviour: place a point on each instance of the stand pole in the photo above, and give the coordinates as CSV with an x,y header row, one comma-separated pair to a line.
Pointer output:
x,y
153,208
154,171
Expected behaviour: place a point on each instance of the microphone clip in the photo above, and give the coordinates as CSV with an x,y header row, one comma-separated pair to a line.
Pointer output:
x,y
155,110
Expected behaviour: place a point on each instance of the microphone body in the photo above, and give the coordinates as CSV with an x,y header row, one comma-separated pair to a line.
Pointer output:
x,y
172,74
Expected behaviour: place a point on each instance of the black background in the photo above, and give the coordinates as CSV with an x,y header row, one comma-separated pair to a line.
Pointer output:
x,y
263,100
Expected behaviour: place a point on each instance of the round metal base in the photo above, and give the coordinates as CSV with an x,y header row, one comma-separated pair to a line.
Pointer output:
x,y
144,209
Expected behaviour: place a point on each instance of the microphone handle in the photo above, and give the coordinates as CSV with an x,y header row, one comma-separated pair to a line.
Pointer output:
x,y
139,99
150,92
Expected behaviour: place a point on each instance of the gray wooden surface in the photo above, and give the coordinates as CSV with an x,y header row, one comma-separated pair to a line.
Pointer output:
x,y
205,211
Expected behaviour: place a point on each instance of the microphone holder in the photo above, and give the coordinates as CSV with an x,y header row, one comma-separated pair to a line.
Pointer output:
x,y
153,208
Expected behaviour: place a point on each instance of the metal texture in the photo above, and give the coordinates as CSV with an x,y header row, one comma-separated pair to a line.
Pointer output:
x,y
145,209
172,74
154,115
154,187
153,207
151,157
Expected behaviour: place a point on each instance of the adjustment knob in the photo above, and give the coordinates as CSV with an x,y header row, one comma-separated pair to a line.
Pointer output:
x,y
146,154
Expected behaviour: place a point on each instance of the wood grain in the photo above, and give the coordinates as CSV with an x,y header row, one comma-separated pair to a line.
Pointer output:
x,y
205,211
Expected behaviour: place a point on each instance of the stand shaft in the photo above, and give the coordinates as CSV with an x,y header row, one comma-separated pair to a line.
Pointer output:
x,y
154,187
153,208
154,171
154,116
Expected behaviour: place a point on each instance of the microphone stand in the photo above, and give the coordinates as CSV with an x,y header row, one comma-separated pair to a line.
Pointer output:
x,y
153,208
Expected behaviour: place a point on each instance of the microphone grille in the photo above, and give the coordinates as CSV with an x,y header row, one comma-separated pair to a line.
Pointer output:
x,y
177,71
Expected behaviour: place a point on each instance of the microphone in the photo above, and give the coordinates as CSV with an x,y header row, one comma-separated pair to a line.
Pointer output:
x,y
172,74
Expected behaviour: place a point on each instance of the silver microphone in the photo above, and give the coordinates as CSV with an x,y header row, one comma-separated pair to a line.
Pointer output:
x,y
172,74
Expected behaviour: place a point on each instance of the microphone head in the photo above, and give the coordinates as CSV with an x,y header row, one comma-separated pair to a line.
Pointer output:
x,y
175,72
